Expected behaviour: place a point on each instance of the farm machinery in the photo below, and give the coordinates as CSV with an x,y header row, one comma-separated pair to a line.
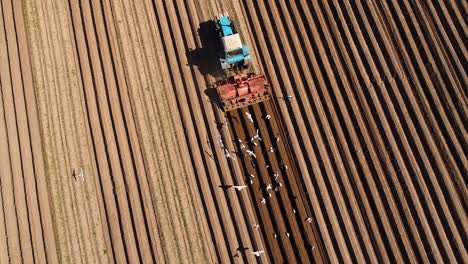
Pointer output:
x,y
234,53
238,88
242,90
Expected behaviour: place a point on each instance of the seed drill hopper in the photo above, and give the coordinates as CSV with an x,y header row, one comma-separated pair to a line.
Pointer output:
x,y
242,90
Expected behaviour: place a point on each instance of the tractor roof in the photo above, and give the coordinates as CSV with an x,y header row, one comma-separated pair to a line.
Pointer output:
x,y
225,25
232,42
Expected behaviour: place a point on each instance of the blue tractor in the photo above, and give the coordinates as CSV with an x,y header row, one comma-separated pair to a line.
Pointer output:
x,y
234,54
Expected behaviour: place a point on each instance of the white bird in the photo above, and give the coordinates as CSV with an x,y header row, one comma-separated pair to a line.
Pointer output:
x,y
276,175
251,181
263,201
267,117
251,176
289,97
275,235
249,116
81,174
268,187
251,153
287,234
256,226
309,220
294,211
239,188
228,155
277,139
242,147
220,141
256,136
271,149
283,166
257,253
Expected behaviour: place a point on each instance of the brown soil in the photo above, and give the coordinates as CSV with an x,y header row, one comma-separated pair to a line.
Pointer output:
x,y
375,137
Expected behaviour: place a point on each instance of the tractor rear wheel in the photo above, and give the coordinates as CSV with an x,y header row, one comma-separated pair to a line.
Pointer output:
x,y
226,73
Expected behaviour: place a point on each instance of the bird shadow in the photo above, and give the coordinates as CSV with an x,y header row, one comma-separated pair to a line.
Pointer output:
x,y
225,186
212,94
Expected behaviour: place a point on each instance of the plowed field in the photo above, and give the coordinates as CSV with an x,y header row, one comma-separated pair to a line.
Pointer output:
x,y
374,138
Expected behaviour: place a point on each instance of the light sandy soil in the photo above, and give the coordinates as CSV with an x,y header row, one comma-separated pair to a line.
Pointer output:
x,y
375,137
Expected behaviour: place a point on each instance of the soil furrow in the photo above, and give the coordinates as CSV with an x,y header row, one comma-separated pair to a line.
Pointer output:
x,y
370,152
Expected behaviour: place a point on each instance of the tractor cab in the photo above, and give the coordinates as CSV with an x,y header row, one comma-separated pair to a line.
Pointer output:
x,y
234,53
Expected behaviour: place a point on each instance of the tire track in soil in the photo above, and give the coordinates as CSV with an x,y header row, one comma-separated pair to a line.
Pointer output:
x,y
287,83
405,144
136,49
450,115
227,172
185,77
433,125
15,120
36,145
445,16
169,177
376,187
132,181
349,183
174,76
109,211
250,218
248,210
128,105
12,235
313,240
289,125
273,81
65,73
284,200
343,134
51,158
185,180
315,97
280,249
298,82
397,173
40,245
128,201
448,182
74,200
421,183
447,33
382,118
189,42
392,172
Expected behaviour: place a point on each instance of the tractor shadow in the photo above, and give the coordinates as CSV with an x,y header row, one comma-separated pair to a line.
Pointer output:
x,y
212,94
205,58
